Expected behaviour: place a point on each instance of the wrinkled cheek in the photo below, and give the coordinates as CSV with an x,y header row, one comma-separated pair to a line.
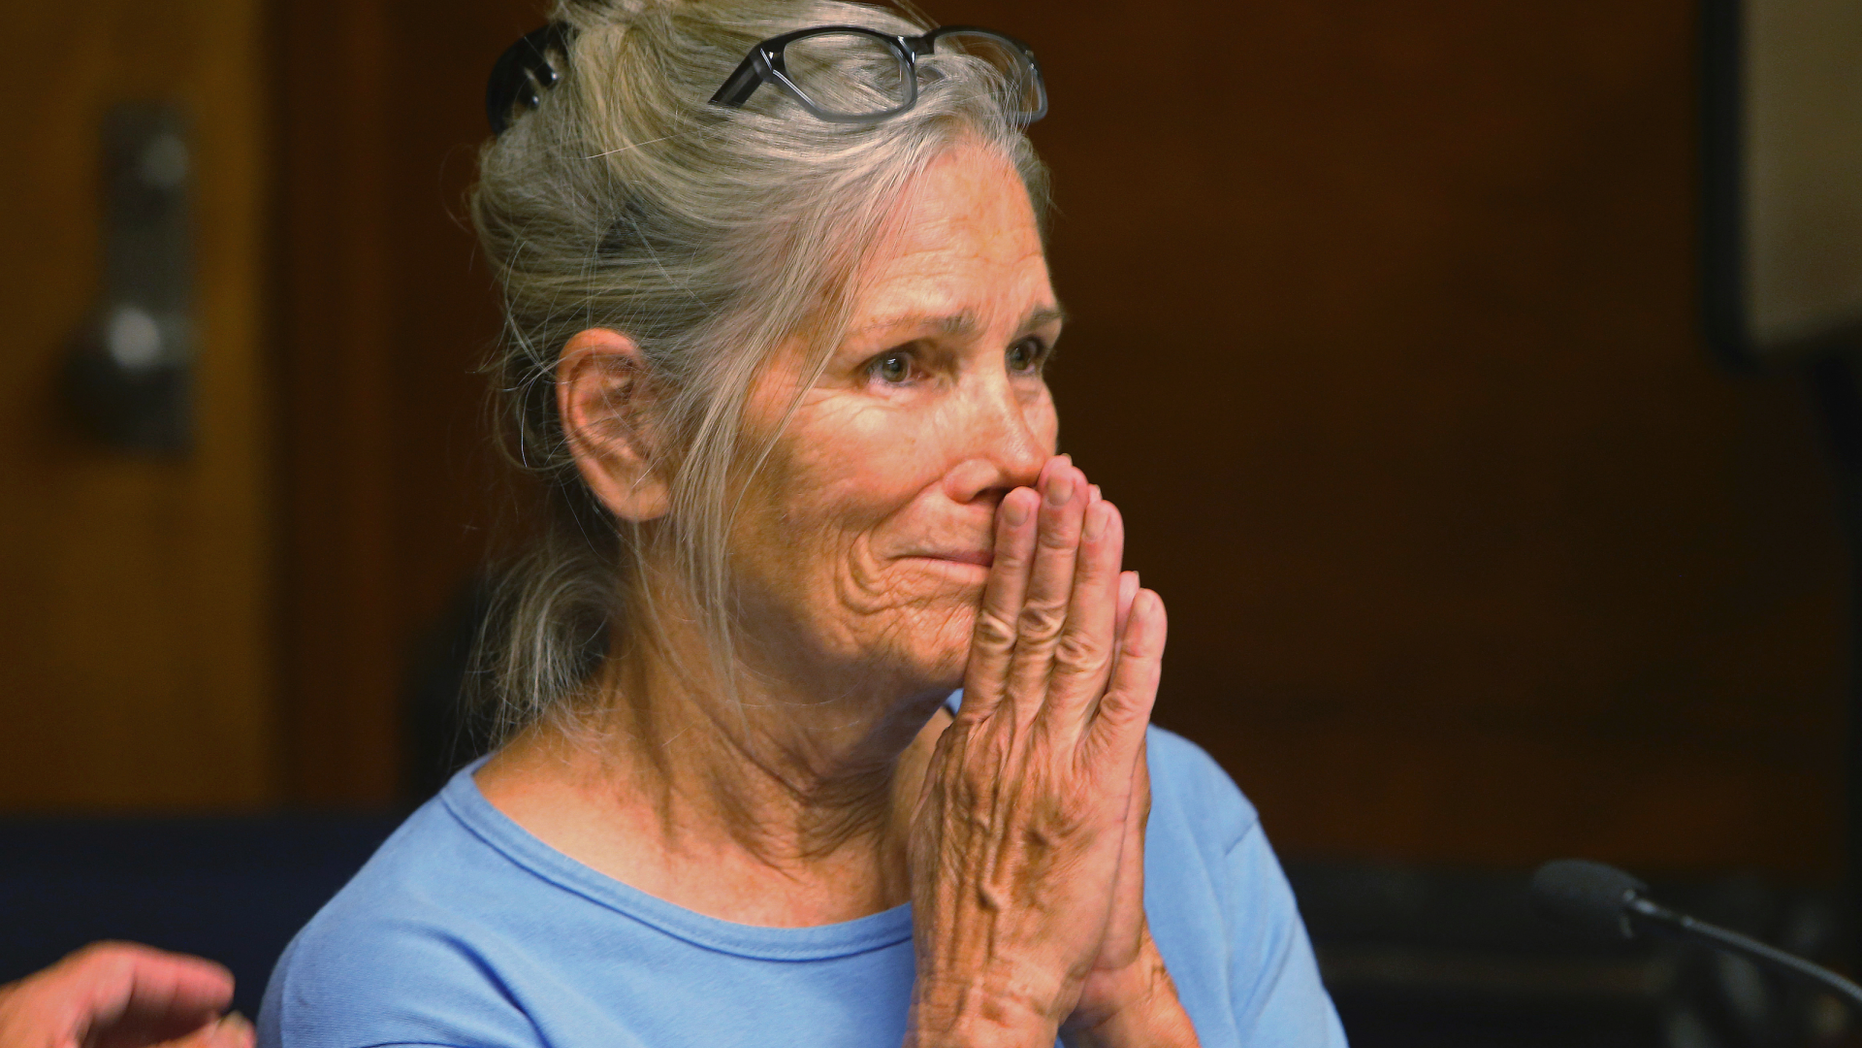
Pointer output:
x,y
867,588
902,621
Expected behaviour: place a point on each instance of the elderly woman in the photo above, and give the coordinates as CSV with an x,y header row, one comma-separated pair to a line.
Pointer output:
x,y
778,313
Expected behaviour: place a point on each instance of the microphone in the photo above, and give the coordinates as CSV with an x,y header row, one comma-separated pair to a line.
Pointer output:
x,y
1605,901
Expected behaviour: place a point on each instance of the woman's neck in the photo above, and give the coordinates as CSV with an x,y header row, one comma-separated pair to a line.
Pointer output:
x,y
783,805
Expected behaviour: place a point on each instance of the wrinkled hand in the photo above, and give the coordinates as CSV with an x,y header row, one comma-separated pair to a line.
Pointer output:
x,y
120,995
1027,849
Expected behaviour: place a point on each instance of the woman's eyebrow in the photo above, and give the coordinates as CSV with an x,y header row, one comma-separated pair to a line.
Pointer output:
x,y
955,325
1044,317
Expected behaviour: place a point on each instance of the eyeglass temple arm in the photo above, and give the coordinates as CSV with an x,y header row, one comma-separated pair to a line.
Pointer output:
x,y
742,84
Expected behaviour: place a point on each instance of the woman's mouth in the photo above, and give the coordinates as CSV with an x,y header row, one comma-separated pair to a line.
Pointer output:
x,y
982,558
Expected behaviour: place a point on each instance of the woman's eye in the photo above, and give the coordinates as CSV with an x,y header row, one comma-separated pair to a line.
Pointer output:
x,y
893,367
1027,355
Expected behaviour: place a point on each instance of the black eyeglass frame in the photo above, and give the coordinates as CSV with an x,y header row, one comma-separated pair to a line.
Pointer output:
x,y
523,72
764,65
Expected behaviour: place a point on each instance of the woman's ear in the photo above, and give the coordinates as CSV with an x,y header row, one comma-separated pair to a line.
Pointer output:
x,y
605,405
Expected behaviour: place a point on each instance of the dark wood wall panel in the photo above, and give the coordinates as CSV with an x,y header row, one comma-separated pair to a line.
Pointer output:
x,y
449,319
386,315
1384,339
340,395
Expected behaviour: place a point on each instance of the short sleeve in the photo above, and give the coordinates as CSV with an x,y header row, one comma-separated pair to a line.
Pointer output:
x,y
1223,914
401,985
1279,999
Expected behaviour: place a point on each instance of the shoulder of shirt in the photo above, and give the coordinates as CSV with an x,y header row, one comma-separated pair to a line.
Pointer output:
x,y
388,960
1187,783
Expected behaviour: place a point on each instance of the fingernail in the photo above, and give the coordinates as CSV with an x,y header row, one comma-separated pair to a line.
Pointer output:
x,y
1014,510
1097,515
233,1029
1060,488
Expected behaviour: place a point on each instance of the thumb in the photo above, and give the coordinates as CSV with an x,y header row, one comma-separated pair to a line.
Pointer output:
x,y
230,1031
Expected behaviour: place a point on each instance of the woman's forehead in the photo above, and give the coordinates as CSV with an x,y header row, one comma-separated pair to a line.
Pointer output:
x,y
970,203
964,252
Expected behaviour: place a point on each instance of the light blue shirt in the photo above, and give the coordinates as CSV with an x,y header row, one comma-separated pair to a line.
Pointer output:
x,y
466,931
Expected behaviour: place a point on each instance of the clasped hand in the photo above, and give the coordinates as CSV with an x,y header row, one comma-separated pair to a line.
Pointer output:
x,y
1028,842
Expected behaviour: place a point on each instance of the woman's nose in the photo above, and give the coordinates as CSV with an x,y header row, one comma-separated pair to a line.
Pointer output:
x,y
1012,436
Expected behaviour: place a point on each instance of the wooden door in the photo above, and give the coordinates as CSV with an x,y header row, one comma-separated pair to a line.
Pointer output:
x,y
135,609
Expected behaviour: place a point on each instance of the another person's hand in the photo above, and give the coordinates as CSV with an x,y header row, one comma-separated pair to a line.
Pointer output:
x,y
1027,852
121,995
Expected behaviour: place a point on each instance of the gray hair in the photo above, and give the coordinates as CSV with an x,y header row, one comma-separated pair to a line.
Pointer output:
x,y
709,236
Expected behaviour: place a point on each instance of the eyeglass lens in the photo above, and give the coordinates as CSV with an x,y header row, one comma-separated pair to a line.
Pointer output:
x,y
848,73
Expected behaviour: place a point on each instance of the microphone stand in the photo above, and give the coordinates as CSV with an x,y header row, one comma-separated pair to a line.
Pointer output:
x,y
1659,918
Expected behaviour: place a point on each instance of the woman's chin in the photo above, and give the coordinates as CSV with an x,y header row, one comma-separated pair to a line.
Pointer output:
x,y
935,642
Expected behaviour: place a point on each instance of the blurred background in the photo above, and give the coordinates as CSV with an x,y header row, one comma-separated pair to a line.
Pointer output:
x,y
1386,335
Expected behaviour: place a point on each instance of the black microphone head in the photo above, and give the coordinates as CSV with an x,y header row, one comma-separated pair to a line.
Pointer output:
x,y
1585,895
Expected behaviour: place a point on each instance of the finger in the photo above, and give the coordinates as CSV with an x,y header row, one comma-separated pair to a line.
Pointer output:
x,y
127,994
992,642
1116,731
1138,813
1088,641
114,977
1050,587
1127,589
1125,931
